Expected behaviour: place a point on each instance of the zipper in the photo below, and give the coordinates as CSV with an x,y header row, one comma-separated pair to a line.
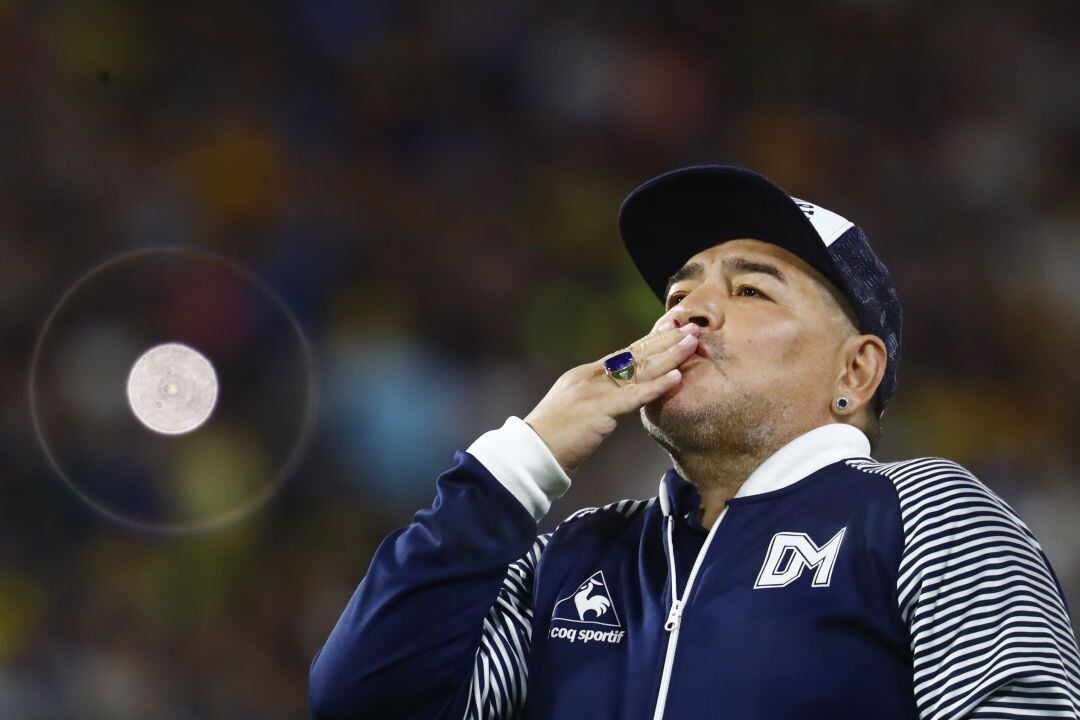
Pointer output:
x,y
674,618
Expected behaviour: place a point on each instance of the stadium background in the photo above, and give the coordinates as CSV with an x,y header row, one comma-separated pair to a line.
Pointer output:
x,y
432,187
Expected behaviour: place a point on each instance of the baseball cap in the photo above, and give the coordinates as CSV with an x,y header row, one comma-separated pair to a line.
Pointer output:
x,y
673,216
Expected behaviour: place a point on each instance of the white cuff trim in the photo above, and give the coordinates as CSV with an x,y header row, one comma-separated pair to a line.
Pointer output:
x,y
520,460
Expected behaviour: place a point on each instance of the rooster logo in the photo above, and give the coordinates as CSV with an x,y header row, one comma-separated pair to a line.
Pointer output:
x,y
590,603
597,603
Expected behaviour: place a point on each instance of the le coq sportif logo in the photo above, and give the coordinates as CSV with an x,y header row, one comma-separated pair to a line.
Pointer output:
x,y
590,603
587,615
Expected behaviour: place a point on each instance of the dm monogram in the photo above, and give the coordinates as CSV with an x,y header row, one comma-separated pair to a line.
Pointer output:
x,y
790,553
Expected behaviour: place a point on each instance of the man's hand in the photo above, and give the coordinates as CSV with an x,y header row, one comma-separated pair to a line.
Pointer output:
x,y
583,405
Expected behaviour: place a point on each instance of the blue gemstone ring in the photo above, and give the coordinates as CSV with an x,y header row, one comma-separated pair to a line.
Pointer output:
x,y
620,367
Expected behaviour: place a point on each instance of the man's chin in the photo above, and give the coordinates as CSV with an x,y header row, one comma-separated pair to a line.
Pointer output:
x,y
704,416
671,419
657,408
675,408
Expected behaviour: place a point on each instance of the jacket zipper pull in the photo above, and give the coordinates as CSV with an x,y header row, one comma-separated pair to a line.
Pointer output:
x,y
675,616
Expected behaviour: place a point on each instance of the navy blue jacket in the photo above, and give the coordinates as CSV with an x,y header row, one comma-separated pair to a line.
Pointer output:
x,y
832,586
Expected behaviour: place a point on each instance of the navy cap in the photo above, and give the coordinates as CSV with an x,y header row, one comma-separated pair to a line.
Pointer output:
x,y
680,213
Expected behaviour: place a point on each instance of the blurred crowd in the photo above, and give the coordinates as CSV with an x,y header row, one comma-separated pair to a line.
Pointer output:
x,y
432,187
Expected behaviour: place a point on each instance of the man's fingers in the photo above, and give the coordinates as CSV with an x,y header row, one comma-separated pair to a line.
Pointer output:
x,y
654,365
662,325
655,354
659,342
631,397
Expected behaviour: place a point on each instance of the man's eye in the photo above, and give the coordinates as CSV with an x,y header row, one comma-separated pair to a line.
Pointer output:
x,y
749,291
674,299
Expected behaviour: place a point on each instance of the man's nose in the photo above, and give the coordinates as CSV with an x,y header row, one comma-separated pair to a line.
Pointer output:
x,y
703,307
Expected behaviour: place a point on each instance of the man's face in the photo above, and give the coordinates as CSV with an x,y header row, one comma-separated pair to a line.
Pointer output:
x,y
768,356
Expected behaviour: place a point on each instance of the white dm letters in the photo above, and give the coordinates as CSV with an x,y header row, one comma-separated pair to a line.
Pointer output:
x,y
790,553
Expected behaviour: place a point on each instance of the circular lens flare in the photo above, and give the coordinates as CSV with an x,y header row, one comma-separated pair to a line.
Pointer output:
x,y
172,390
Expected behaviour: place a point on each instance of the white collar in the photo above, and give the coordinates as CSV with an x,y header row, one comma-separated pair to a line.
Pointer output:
x,y
804,455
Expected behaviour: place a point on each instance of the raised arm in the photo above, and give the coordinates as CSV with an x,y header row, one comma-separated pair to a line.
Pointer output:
x,y
440,622
447,595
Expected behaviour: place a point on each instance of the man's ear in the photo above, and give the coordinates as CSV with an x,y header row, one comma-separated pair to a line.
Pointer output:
x,y
864,358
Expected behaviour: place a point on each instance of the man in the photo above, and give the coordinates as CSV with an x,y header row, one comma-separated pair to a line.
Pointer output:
x,y
779,573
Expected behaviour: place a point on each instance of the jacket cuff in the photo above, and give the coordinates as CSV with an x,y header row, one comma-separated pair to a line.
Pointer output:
x,y
520,460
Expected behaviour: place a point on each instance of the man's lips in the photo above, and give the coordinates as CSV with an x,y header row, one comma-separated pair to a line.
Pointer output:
x,y
702,352
695,357
708,347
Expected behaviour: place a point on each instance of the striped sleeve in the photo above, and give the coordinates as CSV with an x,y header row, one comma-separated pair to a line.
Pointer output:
x,y
500,669
627,508
990,632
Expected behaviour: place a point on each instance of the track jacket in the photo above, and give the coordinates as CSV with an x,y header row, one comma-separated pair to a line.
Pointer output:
x,y
831,586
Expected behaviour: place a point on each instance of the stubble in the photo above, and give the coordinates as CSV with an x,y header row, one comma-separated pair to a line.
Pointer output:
x,y
726,420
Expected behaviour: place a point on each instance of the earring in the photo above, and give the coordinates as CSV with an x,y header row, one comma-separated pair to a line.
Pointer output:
x,y
841,403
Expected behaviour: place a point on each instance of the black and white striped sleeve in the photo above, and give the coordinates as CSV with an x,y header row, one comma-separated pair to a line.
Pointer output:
x,y
500,671
990,633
